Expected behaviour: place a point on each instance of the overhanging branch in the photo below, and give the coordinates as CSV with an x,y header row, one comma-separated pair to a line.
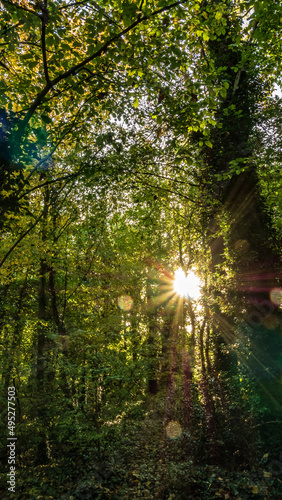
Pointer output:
x,y
74,69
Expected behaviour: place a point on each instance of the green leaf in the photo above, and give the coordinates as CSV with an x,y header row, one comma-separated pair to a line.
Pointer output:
x,y
223,92
136,103
46,119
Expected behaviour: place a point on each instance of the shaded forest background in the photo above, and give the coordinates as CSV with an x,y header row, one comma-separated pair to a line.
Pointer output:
x,y
137,138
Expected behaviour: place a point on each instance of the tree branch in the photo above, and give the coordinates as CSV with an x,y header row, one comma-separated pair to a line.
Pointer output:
x,y
32,44
4,66
20,239
74,69
44,19
26,9
168,178
175,193
48,183
68,296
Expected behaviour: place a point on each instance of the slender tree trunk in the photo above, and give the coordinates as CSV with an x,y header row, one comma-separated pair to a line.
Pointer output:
x,y
187,389
17,334
207,397
153,385
134,334
171,382
42,354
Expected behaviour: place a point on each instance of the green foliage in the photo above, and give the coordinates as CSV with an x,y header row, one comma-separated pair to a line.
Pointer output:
x,y
136,138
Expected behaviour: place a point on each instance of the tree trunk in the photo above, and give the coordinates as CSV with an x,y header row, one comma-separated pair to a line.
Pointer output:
x,y
236,222
42,354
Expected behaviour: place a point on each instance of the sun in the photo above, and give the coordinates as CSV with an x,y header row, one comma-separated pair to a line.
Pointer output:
x,y
186,286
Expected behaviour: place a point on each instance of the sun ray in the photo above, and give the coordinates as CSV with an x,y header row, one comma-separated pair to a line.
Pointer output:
x,y
163,297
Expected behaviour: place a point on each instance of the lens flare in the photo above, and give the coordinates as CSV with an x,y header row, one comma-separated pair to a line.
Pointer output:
x,y
276,296
125,302
187,286
173,430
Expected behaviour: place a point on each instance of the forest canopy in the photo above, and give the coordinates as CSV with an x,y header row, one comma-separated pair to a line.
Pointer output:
x,y
140,257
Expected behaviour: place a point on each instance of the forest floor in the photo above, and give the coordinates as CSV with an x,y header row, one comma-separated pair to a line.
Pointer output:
x,y
142,461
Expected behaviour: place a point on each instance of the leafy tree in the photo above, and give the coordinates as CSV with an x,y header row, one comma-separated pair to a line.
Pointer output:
x,y
137,138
